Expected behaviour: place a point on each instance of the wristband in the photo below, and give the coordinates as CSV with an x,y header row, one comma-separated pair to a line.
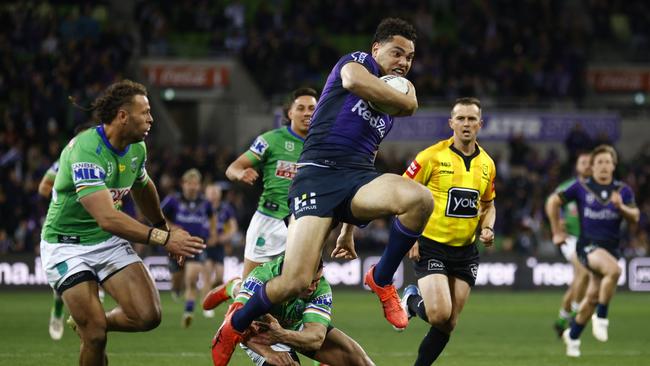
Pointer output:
x,y
158,237
489,228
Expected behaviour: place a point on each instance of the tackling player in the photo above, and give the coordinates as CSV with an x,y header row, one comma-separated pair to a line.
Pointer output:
x,y
460,176
302,324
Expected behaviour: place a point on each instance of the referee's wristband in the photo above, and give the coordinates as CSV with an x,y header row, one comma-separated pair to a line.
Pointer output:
x,y
158,237
489,228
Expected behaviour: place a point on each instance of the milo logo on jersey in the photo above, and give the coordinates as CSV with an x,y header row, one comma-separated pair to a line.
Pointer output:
x,y
285,169
462,202
82,172
376,122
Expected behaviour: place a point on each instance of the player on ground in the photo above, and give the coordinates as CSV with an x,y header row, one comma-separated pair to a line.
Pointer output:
x,y
571,221
191,212
460,175
226,228
337,182
301,323
85,239
603,203
274,154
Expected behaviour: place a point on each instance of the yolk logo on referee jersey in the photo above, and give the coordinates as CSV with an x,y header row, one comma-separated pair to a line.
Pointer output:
x,y
462,202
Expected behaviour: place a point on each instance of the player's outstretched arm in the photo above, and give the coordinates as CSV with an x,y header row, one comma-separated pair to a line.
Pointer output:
x,y
241,170
99,205
309,339
358,80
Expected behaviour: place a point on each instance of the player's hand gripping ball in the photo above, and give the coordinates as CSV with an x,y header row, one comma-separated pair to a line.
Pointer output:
x,y
398,83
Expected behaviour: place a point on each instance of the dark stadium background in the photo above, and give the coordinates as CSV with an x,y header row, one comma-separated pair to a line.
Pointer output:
x,y
554,77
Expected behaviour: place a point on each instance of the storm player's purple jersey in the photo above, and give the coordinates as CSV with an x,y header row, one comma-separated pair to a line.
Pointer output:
x,y
192,216
600,220
344,130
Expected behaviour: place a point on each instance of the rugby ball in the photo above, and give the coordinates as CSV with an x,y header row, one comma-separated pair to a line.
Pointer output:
x,y
398,83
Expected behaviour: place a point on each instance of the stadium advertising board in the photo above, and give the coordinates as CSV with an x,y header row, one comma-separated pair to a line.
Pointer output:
x,y
493,273
186,75
619,79
542,126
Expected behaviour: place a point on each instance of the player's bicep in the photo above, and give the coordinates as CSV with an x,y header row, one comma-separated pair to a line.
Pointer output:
x,y
99,204
352,73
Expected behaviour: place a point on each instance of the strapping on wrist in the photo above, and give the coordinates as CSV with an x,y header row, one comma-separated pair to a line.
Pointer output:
x,y
158,237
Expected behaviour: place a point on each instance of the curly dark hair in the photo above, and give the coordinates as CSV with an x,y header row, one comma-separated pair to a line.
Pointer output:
x,y
292,98
390,27
115,96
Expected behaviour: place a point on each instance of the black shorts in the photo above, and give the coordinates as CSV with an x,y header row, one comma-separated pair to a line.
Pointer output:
x,y
327,192
586,246
461,262
215,254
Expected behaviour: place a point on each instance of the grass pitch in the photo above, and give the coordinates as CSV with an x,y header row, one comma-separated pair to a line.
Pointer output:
x,y
496,328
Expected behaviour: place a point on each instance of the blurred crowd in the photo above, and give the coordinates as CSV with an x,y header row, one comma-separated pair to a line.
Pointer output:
x,y
48,53
532,50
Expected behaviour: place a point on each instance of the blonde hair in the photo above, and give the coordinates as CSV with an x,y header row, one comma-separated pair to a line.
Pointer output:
x,y
192,173
602,149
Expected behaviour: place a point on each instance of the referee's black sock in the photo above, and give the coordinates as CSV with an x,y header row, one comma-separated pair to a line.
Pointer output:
x,y
416,306
431,347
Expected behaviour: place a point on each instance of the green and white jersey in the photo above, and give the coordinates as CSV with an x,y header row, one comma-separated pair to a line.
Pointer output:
x,y
293,313
88,164
570,211
275,154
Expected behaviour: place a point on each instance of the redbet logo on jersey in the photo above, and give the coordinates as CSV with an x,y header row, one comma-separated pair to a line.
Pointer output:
x,y
398,83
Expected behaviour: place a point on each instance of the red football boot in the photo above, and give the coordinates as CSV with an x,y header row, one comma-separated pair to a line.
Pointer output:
x,y
217,296
226,339
390,301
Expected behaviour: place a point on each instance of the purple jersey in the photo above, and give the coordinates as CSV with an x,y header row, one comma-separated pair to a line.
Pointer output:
x,y
192,216
600,221
224,213
344,130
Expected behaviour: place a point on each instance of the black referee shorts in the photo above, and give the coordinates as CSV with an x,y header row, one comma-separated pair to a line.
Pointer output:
x,y
461,262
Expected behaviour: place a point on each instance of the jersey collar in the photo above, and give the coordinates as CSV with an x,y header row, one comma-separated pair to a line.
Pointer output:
x,y
102,133
295,134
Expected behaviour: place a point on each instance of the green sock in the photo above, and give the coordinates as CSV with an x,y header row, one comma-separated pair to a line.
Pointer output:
x,y
230,287
58,307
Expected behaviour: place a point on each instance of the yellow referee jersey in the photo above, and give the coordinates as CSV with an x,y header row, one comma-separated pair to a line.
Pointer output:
x,y
457,183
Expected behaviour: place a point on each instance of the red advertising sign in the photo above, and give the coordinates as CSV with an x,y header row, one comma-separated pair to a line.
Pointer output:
x,y
168,75
619,79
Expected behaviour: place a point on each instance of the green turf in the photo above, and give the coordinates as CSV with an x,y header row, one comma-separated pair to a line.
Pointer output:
x,y
496,328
